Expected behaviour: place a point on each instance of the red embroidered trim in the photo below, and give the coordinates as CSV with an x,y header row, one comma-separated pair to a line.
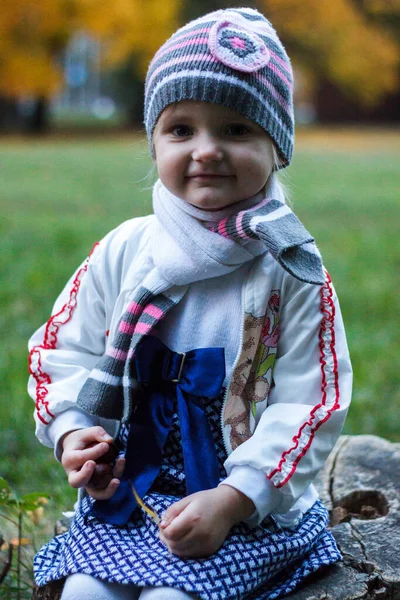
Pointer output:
x,y
327,326
50,341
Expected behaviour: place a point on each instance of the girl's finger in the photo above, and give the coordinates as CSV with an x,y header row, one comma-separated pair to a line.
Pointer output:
x,y
173,511
119,467
74,459
80,478
105,494
92,434
180,527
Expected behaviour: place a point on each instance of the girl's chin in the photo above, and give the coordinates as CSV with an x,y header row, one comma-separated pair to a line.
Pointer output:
x,y
210,204
211,208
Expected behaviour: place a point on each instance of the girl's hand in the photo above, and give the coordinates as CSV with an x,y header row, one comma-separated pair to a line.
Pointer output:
x,y
197,526
81,449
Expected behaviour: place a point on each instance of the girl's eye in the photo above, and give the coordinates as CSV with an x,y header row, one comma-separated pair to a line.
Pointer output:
x,y
237,129
181,130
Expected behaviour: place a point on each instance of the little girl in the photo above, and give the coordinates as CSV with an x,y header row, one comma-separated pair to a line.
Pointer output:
x,y
205,343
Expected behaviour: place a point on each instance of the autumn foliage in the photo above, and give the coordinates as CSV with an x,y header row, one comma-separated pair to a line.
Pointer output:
x,y
32,34
341,40
350,42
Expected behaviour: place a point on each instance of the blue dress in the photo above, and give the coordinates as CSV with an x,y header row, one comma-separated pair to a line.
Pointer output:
x,y
261,562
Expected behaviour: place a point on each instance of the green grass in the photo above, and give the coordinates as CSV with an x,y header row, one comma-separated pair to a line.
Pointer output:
x,y
58,197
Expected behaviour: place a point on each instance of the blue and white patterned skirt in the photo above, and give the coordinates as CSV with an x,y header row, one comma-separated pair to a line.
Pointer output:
x,y
262,562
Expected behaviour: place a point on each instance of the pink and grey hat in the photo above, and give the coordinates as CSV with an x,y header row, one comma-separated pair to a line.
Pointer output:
x,y
231,57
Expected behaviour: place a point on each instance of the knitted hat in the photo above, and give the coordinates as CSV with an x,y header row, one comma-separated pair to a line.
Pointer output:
x,y
231,57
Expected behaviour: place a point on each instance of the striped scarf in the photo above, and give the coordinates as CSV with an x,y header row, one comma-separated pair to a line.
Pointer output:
x,y
185,250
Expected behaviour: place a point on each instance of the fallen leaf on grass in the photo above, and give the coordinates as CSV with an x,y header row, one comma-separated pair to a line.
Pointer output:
x,y
20,541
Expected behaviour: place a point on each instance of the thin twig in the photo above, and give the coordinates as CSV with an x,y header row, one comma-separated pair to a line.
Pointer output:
x,y
19,554
8,519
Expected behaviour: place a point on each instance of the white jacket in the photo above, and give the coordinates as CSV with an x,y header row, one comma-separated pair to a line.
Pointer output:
x,y
291,385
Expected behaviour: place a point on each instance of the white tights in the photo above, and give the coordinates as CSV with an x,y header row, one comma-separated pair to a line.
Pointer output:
x,y
85,587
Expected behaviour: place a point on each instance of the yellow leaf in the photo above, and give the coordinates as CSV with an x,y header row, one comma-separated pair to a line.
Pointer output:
x,y
20,541
32,35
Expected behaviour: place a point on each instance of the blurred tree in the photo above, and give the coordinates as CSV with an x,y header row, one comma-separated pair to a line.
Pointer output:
x,y
33,34
131,32
352,43
130,27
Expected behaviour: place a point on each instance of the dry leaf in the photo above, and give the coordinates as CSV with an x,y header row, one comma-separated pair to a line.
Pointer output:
x,y
20,541
144,506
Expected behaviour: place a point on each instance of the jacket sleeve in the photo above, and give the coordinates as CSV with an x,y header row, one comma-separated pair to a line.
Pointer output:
x,y
64,350
307,405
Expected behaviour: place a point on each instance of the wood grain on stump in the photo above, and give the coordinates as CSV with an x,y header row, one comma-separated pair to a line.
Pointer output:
x,y
360,486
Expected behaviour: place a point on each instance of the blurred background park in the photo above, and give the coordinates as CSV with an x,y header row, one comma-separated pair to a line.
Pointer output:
x,y
74,164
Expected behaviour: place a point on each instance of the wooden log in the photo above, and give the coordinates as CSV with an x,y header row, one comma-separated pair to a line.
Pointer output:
x,y
51,591
360,486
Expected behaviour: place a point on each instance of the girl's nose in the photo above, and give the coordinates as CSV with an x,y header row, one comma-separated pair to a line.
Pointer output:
x,y
207,149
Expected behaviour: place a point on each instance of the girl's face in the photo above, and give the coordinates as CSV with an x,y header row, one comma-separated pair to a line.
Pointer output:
x,y
211,156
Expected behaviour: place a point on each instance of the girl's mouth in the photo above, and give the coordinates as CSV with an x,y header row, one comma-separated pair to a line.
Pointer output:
x,y
207,176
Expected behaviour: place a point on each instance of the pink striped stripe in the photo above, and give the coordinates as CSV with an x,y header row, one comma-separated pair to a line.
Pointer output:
x,y
222,227
279,60
118,354
181,36
258,206
193,42
125,327
154,311
134,308
239,227
209,58
240,216
275,69
181,59
174,46
142,328
274,93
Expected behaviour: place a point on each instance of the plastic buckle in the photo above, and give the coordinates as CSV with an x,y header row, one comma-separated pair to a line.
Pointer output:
x,y
183,357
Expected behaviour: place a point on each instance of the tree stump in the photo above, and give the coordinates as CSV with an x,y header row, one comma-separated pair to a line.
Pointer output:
x,y
360,486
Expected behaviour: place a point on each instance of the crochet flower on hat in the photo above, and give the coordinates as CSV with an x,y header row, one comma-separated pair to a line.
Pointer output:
x,y
237,48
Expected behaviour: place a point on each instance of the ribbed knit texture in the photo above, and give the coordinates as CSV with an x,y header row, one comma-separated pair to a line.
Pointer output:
x,y
273,223
231,57
194,253
101,394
